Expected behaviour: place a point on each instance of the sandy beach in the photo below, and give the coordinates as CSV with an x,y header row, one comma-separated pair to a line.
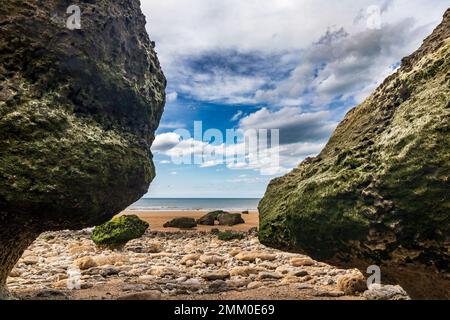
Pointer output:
x,y
156,219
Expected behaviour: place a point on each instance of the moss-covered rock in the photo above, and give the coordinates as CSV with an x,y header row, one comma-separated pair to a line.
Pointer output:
x,y
230,235
78,112
118,231
230,219
379,193
181,223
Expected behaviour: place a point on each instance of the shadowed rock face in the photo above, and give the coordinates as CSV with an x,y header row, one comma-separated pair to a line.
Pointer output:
x,y
379,193
78,112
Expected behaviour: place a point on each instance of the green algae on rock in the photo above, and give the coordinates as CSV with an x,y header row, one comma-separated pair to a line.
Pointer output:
x,y
379,193
118,231
78,112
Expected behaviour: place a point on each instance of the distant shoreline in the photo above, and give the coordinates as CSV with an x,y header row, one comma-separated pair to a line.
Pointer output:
x,y
194,204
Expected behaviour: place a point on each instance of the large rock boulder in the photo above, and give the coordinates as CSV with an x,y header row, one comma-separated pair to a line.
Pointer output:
x,y
181,223
78,112
379,193
208,219
118,231
230,219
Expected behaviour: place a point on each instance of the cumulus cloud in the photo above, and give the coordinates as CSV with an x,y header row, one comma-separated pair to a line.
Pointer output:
x,y
165,141
282,52
171,97
294,125
237,115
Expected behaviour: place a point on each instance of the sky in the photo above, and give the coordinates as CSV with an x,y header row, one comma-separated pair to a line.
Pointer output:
x,y
293,66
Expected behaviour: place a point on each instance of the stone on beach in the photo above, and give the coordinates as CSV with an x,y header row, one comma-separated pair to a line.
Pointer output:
x,y
352,284
300,262
211,259
385,292
146,295
181,223
252,256
216,275
85,263
230,219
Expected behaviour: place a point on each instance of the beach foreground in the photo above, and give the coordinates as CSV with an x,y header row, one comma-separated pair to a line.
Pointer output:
x,y
166,264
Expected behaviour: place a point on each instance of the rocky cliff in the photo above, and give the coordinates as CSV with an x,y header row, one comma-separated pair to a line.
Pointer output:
x,y
78,112
379,193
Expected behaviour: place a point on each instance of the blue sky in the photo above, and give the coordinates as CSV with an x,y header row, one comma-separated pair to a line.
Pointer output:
x,y
293,65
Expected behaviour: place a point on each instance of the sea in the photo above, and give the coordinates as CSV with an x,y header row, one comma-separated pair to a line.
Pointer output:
x,y
194,204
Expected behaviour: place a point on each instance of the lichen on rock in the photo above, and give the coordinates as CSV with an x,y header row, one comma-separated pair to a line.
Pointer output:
x,y
379,192
118,231
78,112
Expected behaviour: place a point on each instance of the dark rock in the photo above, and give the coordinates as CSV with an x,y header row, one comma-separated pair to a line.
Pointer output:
x,y
215,231
117,232
245,212
378,194
181,223
253,231
51,294
230,219
207,220
78,112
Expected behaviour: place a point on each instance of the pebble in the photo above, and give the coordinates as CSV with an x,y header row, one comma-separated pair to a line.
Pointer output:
x,y
162,263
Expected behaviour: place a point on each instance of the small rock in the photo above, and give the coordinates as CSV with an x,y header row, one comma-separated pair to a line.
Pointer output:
x,y
51,294
352,284
385,292
217,286
30,260
163,271
85,263
254,285
145,295
325,293
269,276
190,257
79,249
211,259
245,271
252,256
301,262
216,275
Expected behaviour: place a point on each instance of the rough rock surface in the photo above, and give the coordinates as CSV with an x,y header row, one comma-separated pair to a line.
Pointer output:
x,y
181,223
118,231
379,193
230,219
78,112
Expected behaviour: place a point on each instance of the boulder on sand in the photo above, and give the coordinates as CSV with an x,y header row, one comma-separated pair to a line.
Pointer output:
x,y
181,223
230,219
117,232
207,220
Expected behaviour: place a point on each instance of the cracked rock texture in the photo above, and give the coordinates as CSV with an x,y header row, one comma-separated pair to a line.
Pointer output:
x,y
379,193
78,112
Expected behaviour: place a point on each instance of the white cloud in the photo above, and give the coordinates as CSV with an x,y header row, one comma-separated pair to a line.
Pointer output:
x,y
165,141
355,63
294,125
237,115
171,97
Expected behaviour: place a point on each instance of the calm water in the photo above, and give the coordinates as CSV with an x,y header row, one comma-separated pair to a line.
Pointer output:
x,y
175,204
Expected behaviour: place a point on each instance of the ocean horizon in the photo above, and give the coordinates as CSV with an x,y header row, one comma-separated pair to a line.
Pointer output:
x,y
194,204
